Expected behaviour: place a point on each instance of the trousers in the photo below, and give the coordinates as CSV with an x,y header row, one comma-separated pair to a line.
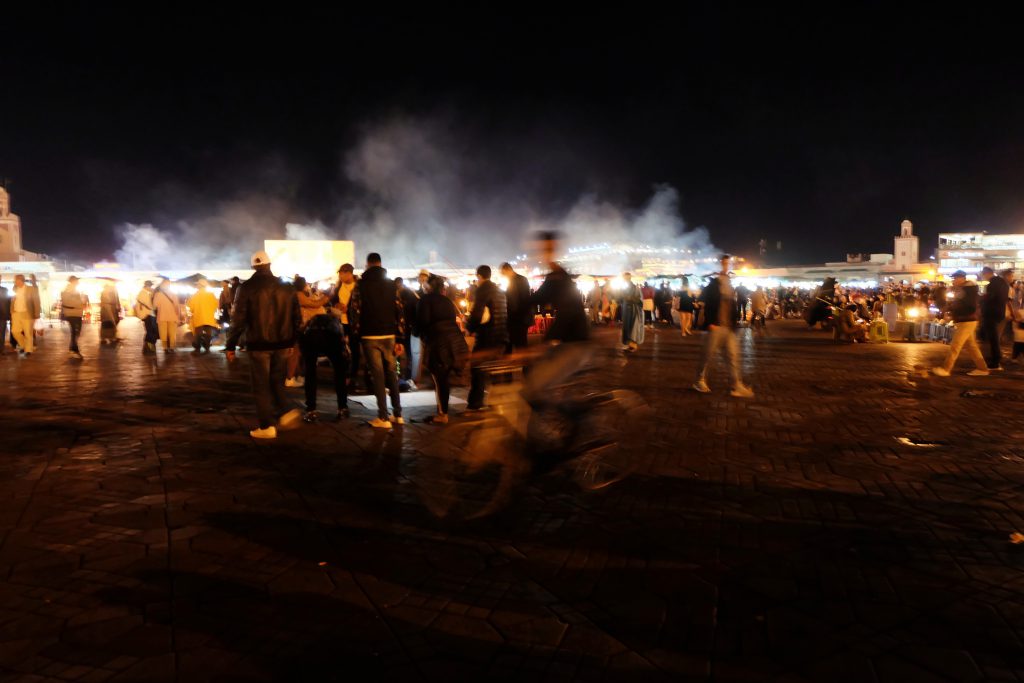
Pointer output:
x,y
720,339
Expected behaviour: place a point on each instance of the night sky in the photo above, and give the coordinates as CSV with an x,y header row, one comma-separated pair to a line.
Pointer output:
x,y
823,130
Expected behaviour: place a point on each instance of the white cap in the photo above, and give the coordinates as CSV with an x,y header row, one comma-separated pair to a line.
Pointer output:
x,y
260,258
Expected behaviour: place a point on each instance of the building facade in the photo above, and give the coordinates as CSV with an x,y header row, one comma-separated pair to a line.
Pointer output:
x,y
972,251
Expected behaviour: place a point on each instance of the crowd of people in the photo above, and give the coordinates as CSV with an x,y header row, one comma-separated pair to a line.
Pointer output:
x,y
381,336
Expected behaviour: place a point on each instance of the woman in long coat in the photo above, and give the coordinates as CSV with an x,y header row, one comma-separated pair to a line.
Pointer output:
x,y
632,315
445,347
110,314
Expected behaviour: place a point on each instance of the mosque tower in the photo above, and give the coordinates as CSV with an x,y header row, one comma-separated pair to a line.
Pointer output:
x,y
10,230
905,254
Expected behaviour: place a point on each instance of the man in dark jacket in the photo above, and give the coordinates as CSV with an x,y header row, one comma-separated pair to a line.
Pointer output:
x,y
719,324
963,309
5,317
520,312
267,312
487,321
993,313
377,316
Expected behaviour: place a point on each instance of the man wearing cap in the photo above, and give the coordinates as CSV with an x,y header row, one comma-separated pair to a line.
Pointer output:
x,y
144,312
993,313
202,308
267,312
71,309
963,309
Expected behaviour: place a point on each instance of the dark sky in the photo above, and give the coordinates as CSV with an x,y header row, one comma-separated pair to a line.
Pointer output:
x,y
819,130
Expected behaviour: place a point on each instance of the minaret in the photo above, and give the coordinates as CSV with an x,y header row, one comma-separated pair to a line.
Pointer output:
x,y
906,246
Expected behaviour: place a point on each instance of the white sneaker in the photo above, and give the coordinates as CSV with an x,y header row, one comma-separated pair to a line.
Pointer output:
x,y
396,420
291,382
268,433
702,387
978,373
380,424
940,372
996,369
290,419
742,391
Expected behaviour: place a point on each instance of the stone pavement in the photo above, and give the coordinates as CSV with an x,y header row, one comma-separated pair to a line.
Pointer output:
x,y
850,523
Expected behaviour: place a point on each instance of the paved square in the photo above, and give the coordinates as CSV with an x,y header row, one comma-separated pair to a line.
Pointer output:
x,y
849,523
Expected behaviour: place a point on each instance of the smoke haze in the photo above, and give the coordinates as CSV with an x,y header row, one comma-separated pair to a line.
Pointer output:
x,y
407,189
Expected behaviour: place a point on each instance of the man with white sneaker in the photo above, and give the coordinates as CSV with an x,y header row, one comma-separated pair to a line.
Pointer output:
x,y
267,312
378,318
719,324
963,308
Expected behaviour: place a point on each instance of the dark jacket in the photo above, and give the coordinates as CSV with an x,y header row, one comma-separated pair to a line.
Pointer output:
x,y
376,309
5,305
435,325
712,298
267,311
997,294
517,296
409,302
560,292
685,302
493,333
963,305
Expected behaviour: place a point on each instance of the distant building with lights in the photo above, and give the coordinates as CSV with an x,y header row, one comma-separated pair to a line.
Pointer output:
x,y
972,251
863,270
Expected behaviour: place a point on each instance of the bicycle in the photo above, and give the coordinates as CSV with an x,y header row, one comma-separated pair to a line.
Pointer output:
x,y
474,467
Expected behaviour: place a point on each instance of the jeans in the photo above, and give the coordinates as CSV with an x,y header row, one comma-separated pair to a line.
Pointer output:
x,y
75,323
267,371
380,359
721,339
990,333
202,336
152,329
316,343
963,338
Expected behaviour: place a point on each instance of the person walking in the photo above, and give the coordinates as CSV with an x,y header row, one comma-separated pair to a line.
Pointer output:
x,y
24,312
520,312
719,323
446,348
487,322
267,313
71,309
145,311
377,316
963,309
632,314
202,308
993,313
759,311
685,309
110,313
168,315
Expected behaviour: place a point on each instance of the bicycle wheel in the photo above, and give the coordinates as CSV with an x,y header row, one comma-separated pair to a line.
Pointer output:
x,y
470,471
611,439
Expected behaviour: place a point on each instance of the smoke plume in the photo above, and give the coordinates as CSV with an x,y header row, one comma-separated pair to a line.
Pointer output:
x,y
412,190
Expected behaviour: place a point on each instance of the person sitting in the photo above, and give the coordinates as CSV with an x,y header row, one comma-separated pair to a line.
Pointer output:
x,y
848,327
